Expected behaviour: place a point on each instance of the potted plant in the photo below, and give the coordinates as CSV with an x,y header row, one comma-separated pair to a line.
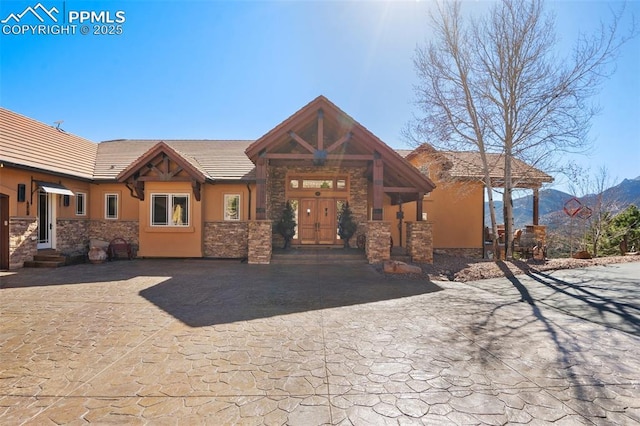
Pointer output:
x,y
286,226
346,225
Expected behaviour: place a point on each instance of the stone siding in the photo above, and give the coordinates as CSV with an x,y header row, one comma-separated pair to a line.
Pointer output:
x,y
23,240
107,230
259,242
226,239
420,242
72,236
539,233
378,247
472,253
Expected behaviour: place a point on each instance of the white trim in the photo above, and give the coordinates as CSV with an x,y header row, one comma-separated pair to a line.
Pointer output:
x,y
224,207
81,196
170,208
106,205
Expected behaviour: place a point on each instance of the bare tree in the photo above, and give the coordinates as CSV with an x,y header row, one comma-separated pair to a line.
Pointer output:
x,y
449,96
599,206
497,84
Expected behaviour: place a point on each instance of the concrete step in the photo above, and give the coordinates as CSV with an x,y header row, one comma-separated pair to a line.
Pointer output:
x,y
47,259
43,264
318,256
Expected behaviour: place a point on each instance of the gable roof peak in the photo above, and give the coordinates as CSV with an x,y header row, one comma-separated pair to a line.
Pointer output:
x,y
188,164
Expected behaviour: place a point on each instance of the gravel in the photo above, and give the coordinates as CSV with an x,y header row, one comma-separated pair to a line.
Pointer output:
x,y
453,268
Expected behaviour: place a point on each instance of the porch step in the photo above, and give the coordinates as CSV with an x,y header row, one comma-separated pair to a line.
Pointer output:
x,y
318,256
47,259
400,254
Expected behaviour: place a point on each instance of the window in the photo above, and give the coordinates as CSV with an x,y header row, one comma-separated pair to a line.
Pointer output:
x,y
81,204
231,206
317,184
294,206
169,210
111,206
313,183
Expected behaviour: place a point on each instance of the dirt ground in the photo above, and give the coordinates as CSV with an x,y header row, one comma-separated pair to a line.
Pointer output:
x,y
452,268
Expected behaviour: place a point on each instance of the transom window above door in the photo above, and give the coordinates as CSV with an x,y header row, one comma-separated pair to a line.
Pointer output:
x,y
335,183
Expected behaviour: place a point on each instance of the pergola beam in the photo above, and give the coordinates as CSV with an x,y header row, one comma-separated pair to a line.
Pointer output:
x,y
378,187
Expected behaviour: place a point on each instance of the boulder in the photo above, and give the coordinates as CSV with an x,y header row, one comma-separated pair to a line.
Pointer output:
x,y
582,255
396,267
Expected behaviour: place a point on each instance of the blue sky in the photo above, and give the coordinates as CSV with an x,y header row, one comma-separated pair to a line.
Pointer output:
x,y
234,70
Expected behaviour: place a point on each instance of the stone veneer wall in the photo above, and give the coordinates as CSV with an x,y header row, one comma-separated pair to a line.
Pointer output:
x,y
276,192
539,233
378,247
72,236
23,240
472,253
420,241
259,242
226,239
107,230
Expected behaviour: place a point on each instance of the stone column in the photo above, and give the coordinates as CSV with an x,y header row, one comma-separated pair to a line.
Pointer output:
x,y
378,247
539,233
259,242
420,242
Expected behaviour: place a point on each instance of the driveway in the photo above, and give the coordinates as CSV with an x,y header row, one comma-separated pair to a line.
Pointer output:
x,y
217,342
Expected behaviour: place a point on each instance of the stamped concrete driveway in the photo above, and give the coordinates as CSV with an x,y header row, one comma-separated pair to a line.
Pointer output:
x,y
213,342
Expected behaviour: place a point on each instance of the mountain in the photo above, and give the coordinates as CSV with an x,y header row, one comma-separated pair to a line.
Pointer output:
x,y
552,203
551,200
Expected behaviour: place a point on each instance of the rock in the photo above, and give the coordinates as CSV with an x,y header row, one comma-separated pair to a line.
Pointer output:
x,y
97,255
395,267
582,255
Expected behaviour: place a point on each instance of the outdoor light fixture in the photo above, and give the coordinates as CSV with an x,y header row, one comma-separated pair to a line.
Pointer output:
x,y
308,212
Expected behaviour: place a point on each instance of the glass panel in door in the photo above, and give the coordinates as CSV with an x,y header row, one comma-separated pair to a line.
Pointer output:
x,y
44,220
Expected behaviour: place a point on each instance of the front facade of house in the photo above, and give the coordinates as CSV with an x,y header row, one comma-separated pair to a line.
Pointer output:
x,y
199,198
219,199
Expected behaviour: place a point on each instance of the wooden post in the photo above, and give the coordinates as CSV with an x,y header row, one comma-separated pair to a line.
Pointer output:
x,y
378,187
261,189
320,130
419,206
536,206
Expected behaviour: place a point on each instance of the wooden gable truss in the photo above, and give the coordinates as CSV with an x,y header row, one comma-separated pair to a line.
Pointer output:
x,y
161,163
322,134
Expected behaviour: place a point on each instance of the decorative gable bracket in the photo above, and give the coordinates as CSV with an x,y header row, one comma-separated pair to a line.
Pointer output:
x,y
161,163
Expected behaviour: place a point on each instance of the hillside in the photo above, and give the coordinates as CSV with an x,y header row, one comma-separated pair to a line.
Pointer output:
x,y
552,202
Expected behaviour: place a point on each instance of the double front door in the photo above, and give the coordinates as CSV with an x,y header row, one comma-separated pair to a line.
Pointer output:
x,y
317,221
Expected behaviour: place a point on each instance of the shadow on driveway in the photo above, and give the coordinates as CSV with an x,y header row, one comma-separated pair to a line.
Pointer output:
x,y
231,292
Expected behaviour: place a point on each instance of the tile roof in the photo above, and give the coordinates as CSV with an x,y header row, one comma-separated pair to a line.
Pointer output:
x,y
30,143
468,165
216,159
404,152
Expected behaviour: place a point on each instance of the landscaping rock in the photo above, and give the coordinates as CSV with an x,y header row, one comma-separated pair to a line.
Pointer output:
x,y
396,267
